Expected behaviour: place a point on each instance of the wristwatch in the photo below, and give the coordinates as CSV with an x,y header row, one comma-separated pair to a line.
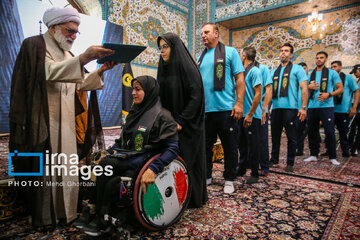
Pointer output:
x,y
330,95
303,107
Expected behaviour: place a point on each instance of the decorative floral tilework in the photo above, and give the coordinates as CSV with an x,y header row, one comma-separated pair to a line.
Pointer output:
x,y
144,20
340,39
90,7
201,14
247,7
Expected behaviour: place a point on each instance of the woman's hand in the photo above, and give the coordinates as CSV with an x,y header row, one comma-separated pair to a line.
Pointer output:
x,y
147,178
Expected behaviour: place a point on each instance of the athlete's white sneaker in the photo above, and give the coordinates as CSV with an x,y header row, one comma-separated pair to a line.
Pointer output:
x,y
310,159
229,187
333,161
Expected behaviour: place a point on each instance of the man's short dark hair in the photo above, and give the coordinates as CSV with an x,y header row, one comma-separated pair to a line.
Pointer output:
x,y
250,53
303,64
337,62
322,52
356,67
290,46
212,24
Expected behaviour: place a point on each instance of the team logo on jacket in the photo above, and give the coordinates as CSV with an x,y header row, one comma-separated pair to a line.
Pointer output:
x,y
139,140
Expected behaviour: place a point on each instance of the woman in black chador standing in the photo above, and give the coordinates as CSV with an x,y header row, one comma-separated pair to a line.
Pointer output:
x,y
182,93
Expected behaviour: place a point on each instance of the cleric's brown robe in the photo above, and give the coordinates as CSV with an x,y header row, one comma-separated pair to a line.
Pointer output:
x,y
42,118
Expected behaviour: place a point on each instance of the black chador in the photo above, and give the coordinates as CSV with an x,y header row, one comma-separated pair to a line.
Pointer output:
x,y
182,93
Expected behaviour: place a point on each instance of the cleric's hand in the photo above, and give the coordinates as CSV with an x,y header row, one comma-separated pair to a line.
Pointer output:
x,y
94,52
106,66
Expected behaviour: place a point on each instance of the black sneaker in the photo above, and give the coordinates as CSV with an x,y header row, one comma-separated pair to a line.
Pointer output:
x,y
299,153
273,162
252,179
96,227
241,172
346,154
85,218
289,168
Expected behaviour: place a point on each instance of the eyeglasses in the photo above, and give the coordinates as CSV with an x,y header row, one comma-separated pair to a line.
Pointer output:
x,y
163,48
72,31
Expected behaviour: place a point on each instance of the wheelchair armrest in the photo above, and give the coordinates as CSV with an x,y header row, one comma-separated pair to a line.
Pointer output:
x,y
125,154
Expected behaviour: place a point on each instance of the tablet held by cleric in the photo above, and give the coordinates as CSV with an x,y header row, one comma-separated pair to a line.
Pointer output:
x,y
123,53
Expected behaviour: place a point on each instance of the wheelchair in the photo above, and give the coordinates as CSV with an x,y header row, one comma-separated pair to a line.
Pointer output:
x,y
164,201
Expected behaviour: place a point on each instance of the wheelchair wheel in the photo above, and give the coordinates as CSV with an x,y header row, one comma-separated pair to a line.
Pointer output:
x,y
166,199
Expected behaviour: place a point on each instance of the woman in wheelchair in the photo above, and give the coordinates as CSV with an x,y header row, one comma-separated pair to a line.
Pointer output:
x,y
148,126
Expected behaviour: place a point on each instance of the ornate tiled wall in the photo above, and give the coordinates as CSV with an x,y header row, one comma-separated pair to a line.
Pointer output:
x,y
242,8
144,20
90,7
201,14
224,34
340,38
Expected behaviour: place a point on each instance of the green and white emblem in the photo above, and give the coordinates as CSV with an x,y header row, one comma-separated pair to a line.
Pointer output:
x,y
139,140
276,85
284,82
323,86
219,71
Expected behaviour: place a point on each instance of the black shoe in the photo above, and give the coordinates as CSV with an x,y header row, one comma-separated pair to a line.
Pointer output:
x,y
325,154
85,218
273,162
96,226
346,154
353,154
241,172
252,179
299,153
289,168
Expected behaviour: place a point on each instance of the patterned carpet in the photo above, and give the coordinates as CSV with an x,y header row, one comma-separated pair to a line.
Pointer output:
x,y
278,207
348,172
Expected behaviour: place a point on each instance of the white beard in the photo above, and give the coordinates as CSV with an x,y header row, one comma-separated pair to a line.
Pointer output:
x,y
62,40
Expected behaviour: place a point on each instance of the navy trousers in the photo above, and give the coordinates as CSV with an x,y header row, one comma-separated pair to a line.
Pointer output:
x,y
222,124
249,139
327,117
264,145
281,118
354,145
342,121
301,130
105,184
